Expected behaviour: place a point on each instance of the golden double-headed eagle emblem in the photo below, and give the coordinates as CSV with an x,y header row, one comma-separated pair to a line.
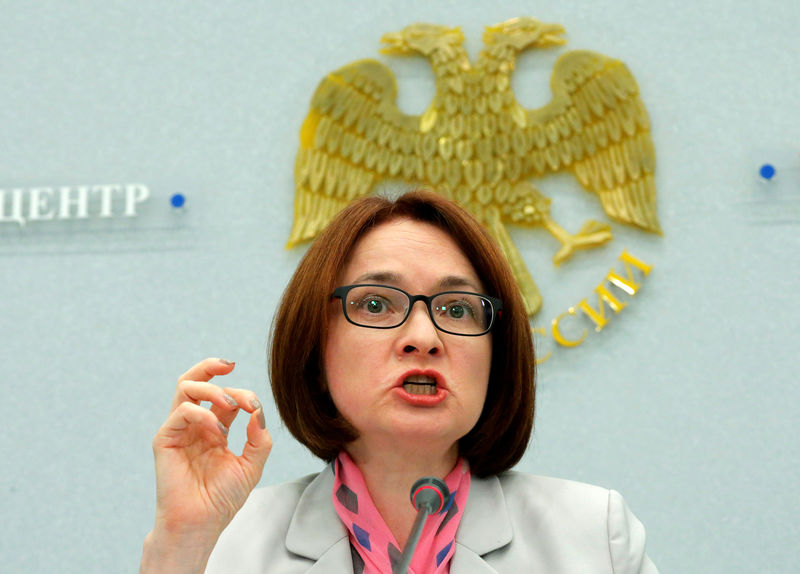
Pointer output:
x,y
476,144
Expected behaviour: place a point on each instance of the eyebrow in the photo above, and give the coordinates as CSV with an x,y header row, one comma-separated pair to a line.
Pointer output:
x,y
457,281
377,277
447,282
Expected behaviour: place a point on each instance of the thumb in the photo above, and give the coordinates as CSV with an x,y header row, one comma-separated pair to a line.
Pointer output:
x,y
258,446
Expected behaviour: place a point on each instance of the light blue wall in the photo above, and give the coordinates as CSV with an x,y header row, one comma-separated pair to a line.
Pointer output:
x,y
686,403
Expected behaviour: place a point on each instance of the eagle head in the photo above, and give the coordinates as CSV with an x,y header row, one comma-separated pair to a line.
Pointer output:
x,y
521,33
422,38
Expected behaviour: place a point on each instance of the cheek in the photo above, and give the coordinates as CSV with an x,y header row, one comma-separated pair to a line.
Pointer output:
x,y
334,377
348,364
475,367
331,353
483,359
333,346
333,367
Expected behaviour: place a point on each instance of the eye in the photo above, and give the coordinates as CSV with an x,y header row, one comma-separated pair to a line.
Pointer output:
x,y
456,310
373,305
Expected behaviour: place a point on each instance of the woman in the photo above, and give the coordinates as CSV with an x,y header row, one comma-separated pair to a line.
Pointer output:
x,y
401,349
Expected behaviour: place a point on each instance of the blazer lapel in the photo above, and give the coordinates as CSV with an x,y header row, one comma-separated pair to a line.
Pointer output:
x,y
316,532
337,560
485,526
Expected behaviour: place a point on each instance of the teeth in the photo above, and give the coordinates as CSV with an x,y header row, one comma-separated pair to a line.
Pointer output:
x,y
421,379
420,389
420,385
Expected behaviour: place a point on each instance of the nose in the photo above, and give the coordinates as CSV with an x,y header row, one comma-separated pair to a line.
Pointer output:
x,y
418,334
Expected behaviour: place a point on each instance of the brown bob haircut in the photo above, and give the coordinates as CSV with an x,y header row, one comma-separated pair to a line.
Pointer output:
x,y
499,438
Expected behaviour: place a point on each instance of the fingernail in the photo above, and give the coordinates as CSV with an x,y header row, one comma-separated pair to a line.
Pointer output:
x,y
222,428
261,421
227,362
230,400
255,404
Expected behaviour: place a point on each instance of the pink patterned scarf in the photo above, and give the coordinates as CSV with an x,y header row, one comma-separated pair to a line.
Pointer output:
x,y
373,546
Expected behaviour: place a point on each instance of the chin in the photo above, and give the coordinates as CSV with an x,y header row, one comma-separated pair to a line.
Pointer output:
x,y
426,435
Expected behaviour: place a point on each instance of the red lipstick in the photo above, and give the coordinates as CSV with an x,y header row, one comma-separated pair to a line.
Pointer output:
x,y
420,399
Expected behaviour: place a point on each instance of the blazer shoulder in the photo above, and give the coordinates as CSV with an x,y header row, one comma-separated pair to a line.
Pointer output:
x,y
564,515
557,491
540,503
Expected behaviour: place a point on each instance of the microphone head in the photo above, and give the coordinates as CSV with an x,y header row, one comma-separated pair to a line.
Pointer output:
x,y
430,493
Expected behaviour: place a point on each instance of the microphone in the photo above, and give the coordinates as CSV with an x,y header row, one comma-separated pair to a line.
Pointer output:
x,y
429,496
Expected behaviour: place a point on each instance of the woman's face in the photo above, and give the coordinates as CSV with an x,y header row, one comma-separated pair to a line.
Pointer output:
x,y
380,379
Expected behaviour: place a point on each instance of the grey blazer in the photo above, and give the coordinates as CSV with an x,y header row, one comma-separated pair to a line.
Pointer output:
x,y
512,523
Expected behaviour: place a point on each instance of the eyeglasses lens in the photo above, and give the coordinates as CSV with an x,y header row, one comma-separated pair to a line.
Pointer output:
x,y
385,307
373,306
462,313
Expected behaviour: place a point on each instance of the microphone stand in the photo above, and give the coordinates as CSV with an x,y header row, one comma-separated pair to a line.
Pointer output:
x,y
428,495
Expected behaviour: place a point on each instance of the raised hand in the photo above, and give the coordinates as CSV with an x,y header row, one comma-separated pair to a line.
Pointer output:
x,y
200,482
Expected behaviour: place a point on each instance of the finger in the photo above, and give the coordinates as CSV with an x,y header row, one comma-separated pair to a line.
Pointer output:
x,y
175,430
197,391
245,400
207,369
225,415
258,446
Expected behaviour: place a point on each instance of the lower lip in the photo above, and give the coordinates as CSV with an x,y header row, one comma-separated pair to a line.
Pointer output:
x,y
422,400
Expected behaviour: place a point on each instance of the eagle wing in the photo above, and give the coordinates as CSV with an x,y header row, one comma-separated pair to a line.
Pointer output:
x,y
353,135
598,128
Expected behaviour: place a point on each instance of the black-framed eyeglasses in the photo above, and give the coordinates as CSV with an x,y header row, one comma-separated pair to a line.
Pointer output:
x,y
383,307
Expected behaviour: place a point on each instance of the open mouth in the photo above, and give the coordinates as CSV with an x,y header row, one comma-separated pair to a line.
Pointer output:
x,y
419,385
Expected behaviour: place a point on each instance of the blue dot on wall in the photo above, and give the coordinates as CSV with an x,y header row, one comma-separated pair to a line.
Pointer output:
x,y
767,171
177,200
